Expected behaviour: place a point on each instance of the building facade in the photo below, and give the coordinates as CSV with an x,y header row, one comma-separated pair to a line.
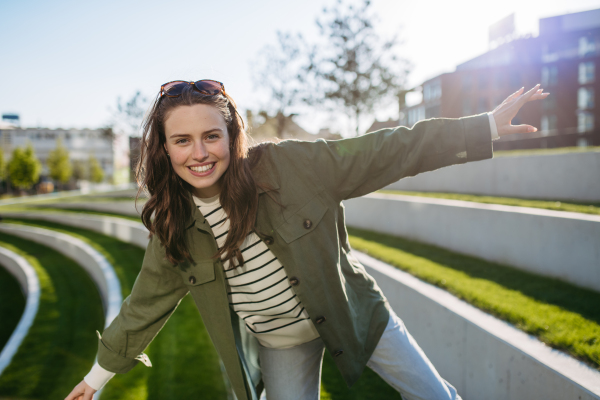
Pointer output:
x,y
111,150
563,58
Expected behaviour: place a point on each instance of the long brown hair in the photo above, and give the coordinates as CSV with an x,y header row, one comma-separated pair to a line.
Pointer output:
x,y
168,200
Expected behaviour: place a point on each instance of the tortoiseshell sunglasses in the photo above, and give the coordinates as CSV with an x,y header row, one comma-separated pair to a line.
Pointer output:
x,y
204,86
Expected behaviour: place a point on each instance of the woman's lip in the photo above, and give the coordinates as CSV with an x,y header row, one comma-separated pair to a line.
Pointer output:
x,y
205,173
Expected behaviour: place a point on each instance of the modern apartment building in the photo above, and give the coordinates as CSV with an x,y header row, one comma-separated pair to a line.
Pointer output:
x,y
564,58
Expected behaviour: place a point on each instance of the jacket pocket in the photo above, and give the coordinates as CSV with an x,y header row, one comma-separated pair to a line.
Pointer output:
x,y
303,221
202,272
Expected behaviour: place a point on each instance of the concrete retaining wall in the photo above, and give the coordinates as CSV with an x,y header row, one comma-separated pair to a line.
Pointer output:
x,y
91,260
483,357
557,244
117,207
20,268
570,176
120,228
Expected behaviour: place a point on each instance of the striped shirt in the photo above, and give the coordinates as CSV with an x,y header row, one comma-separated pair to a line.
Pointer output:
x,y
259,291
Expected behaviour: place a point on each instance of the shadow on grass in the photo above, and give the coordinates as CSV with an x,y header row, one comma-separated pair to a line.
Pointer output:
x,y
186,365
60,346
12,305
369,387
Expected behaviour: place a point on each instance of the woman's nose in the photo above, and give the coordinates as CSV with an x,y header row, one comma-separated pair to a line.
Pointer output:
x,y
200,151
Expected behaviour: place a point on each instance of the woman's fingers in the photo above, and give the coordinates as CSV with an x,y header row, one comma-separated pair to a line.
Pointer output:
x,y
505,112
81,392
510,129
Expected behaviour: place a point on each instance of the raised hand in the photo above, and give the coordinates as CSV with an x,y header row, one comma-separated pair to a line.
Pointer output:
x,y
507,110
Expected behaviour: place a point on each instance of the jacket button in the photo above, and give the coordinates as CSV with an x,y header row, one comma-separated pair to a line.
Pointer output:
x,y
320,320
338,353
307,224
294,281
268,240
192,279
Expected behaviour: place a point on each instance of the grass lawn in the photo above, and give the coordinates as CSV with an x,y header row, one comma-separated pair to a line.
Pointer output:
x,y
12,305
561,315
54,356
573,206
141,385
185,363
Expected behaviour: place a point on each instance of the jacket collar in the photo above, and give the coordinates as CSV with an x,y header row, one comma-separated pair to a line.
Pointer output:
x,y
196,218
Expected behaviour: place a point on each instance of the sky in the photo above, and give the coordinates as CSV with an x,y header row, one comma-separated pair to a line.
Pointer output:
x,y
64,63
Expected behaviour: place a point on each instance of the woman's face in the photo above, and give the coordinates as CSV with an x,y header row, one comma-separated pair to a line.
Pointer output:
x,y
198,144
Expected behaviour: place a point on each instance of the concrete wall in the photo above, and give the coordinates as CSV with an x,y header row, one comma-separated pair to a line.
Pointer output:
x,y
483,357
117,207
91,260
20,268
551,176
120,228
557,244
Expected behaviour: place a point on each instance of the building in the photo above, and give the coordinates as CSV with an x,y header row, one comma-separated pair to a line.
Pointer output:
x,y
563,58
111,150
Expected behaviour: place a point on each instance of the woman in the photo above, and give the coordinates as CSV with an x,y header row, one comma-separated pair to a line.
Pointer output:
x,y
257,236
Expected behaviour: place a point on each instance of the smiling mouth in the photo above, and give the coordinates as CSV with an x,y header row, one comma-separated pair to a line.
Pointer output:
x,y
202,168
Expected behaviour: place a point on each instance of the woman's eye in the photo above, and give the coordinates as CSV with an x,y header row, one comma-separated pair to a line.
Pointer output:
x,y
180,140
213,137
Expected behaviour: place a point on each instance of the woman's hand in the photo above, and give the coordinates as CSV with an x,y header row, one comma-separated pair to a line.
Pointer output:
x,y
505,112
83,391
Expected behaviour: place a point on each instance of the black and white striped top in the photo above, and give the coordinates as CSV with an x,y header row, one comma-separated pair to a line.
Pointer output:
x,y
259,291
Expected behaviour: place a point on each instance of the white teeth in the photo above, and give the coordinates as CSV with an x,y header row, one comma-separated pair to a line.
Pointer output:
x,y
203,168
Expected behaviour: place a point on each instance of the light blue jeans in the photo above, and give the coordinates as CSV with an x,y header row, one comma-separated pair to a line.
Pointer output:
x,y
295,373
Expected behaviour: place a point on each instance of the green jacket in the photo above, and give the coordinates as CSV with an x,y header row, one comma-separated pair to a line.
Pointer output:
x,y
308,235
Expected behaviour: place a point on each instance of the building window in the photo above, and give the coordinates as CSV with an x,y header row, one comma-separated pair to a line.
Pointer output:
x,y
432,91
586,72
466,107
549,76
548,124
483,81
500,81
515,79
415,114
586,46
549,103
467,82
432,112
585,98
582,142
482,105
585,122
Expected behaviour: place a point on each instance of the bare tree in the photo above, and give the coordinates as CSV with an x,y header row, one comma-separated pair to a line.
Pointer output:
x,y
279,70
355,68
129,114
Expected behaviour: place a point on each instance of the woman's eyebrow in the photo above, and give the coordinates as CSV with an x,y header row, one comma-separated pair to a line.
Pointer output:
x,y
176,135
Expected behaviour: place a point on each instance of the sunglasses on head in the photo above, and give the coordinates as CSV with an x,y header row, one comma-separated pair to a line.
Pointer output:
x,y
204,86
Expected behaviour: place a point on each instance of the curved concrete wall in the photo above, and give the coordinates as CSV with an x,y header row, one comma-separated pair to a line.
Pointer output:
x,y
569,176
117,207
558,244
91,260
30,284
120,228
483,357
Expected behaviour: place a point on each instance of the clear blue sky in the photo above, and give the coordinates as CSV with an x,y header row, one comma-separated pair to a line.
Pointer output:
x,y
64,63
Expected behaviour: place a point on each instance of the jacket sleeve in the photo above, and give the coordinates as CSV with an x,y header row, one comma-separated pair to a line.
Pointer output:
x,y
353,167
155,295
